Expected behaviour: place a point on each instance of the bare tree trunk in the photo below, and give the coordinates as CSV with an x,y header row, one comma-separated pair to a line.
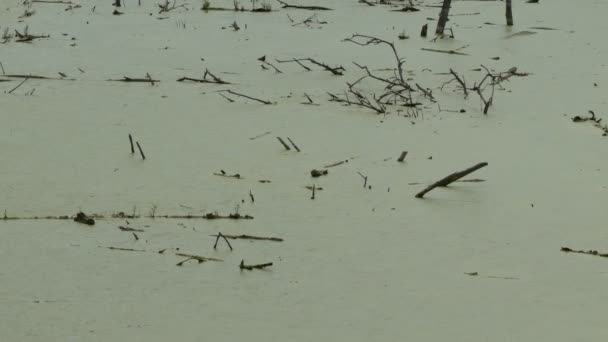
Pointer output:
x,y
443,16
509,13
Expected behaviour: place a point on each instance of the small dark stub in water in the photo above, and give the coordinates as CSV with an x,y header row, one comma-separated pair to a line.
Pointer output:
x,y
83,218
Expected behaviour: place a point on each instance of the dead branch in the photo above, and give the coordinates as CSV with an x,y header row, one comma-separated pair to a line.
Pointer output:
x,y
83,218
220,235
451,52
167,6
122,249
293,144
450,179
338,71
224,174
248,237
596,122
590,252
198,258
242,266
296,61
129,229
336,163
284,143
461,81
143,156
147,79
369,40
51,2
18,85
209,216
311,8
246,96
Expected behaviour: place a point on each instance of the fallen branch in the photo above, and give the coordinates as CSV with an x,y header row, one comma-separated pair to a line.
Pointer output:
x,y
338,71
451,178
224,174
590,252
246,96
51,2
247,237
220,235
147,79
18,85
198,258
209,216
311,8
451,52
129,229
123,249
293,144
284,143
242,266
214,79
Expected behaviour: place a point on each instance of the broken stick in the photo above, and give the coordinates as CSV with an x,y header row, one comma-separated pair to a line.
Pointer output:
x,y
242,266
451,178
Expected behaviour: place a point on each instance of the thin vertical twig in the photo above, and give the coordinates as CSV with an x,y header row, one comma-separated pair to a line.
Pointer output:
x,y
131,141
141,151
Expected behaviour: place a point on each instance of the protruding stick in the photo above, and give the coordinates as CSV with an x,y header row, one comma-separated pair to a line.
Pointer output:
x,y
141,151
284,143
451,178
131,141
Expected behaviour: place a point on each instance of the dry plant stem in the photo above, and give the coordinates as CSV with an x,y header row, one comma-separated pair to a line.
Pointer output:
x,y
427,93
369,40
247,97
461,81
284,143
451,178
242,266
248,237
